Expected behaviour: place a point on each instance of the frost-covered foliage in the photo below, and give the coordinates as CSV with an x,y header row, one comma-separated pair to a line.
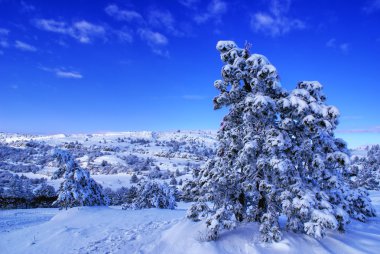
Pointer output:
x,y
121,196
277,155
365,171
22,192
78,188
24,157
152,194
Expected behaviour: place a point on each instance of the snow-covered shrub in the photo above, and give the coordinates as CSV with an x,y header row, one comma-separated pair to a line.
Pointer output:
x,y
22,192
277,155
121,196
78,188
364,173
44,195
152,194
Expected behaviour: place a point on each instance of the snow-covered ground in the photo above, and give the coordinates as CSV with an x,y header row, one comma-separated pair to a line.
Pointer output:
x,y
112,230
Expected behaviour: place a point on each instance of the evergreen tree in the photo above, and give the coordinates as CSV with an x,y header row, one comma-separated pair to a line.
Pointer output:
x,y
173,181
78,188
134,178
150,194
277,155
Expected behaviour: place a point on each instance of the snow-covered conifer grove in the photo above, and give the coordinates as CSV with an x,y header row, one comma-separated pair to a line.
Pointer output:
x,y
277,156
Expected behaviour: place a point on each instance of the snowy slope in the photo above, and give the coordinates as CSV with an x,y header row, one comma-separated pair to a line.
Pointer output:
x,y
111,230
120,152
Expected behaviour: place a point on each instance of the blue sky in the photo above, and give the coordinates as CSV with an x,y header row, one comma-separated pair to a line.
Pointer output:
x,y
92,66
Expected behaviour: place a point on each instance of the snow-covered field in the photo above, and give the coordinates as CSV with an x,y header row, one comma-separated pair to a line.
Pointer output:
x,y
112,230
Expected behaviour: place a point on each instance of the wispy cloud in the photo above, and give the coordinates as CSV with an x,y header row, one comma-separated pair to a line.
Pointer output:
x,y
153,38
375,129
25,7
124,35
4,43
215,11
24,46
68,74
83,31
344,47
4,32
119,14
189,3
164,19
276,22
62,72
4,38
331,43
371,6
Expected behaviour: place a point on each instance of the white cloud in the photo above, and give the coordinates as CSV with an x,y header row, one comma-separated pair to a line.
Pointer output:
x,y
163,19
332,43
25,7
4,43
3,37
189,3
119,14
24,46
215,10
372,6
344,47
161,52
83,31
4,32
124,35
68,74
153,38
62,72
276,22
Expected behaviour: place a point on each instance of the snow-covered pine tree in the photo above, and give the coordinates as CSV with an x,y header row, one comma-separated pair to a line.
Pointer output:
x,y
318,196
77,188
276,155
